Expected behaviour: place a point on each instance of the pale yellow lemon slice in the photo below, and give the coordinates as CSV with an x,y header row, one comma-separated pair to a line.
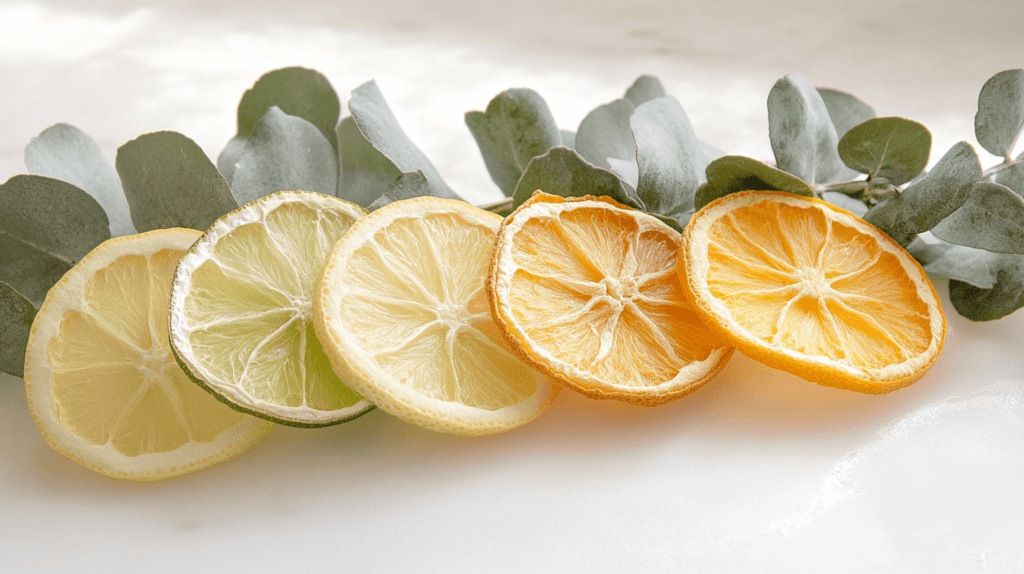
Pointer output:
x,y
102,384
402,314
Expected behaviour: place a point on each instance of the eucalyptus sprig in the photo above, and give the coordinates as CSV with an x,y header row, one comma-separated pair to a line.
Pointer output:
x,y
640,149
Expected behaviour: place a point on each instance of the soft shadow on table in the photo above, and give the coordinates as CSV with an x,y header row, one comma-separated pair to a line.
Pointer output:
x,y
747,408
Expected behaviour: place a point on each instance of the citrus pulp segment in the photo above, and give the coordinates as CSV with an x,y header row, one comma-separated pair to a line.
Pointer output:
x,y
241,310
586,291
809,288
102,384
402,313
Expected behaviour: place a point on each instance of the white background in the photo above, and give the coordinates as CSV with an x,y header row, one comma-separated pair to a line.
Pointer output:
x,y
756,472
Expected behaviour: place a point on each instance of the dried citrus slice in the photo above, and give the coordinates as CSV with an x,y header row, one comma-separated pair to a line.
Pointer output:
x,y
102,385
803,286
586,291
402,314
242,310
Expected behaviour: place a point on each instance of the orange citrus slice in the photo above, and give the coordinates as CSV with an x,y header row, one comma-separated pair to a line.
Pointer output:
x,y
586,291
803,286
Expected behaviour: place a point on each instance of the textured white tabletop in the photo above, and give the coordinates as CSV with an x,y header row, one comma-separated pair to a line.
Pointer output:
x,y
758,471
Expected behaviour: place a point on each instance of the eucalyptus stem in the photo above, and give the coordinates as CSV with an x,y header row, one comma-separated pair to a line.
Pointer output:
x,y
853,187
1003,166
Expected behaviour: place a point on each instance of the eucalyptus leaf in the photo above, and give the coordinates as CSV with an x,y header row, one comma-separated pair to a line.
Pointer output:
x,y
229,156
605,133
734,173
516,127
1013,177
298,92
170,182
628,171
844,109
16,316
711,152
503,208
669,157
932,198
564,172
380,128
976,267
568,138
1003,298
846,202
992,219
408,186
1000,116
645,89
891,147
801,131
46,226
284,153
365,172
66,153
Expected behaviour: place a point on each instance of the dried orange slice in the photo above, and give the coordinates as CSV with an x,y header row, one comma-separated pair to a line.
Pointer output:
x,y
803,286
585,290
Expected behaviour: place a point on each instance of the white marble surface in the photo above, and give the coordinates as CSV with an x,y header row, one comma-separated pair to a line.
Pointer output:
x,y
756,472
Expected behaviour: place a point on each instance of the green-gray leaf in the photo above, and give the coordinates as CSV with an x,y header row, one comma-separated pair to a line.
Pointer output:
x,y
568,138
846,202
46,226
298,92
66,153
669,157
801,131
380,128
170,182
365,172
734,173
844,109
932,198
605,134
974,266
1003,298
516,127
992,219
502,208
1013,177
711,152
16,315
564,172
284,153
229,156
645,89
891,147
1000,116
408,186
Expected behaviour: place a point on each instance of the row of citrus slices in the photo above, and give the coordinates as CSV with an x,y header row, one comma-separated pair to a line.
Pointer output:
x,y
302,309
